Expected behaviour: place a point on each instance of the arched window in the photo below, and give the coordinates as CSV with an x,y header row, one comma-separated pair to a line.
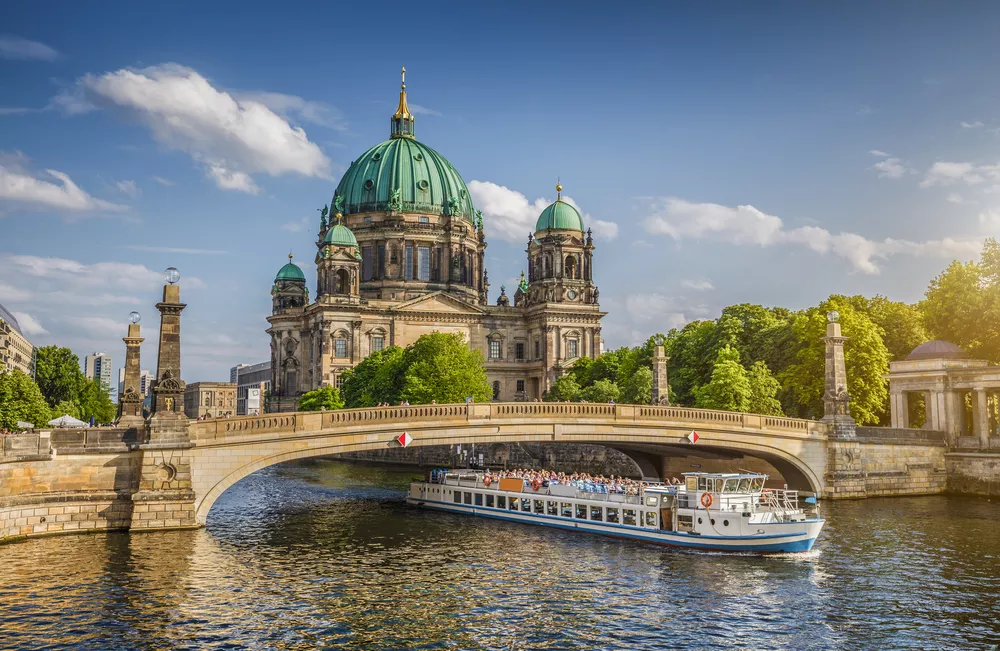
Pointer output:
x,y
343,282
571,270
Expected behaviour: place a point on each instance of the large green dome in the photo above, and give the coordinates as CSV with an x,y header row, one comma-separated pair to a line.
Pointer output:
x,y
560,215
426,181
340,235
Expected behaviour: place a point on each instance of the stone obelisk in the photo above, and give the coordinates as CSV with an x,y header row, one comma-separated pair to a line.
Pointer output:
x,y
130,398
167,423
661,388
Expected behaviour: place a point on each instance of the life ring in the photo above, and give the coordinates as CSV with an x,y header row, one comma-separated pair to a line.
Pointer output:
x,y
536,483
706,500
487,481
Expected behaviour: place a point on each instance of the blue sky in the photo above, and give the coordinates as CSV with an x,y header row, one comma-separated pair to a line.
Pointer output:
x,y
723,152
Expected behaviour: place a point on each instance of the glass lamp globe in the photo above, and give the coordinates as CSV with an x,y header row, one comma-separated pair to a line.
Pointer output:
x,y
171,275
833,316
133,317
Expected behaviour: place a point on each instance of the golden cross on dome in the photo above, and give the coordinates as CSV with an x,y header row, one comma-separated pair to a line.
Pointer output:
x,y
558,190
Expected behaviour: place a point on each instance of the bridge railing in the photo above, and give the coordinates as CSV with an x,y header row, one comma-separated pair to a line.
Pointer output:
x,y
320,420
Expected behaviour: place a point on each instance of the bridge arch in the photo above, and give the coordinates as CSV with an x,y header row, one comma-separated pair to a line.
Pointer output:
x,y
226,451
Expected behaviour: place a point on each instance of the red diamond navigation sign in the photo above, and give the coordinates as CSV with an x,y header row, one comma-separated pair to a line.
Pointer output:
x,y
693,436
404,439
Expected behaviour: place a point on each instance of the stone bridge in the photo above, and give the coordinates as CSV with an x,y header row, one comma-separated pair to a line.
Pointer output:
x,y
114,478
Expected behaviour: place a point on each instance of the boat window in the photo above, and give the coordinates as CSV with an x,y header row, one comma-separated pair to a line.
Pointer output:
x,y
458,497
719,483
539,507
501,501
526,505
489,501
703,484
566,510
552,508
514,503
581,511
692,483
650,518
612,515
468,498
745,485
596,513
479,499
732,485
652,500
628,517
758,484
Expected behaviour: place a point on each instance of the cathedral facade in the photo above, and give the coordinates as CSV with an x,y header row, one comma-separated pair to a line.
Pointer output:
x,y
401,254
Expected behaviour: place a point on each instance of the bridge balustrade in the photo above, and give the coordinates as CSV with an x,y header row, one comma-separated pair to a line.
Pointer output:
x,y
312,421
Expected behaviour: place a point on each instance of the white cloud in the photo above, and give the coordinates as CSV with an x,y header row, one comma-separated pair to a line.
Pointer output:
x,y
24,186
971,125
129,188
227,179
746,225
163,181
417,109
697,285
509,215
948,172
231,137
168,249
29,324
295,107
15,47
954,197
990,221
890,167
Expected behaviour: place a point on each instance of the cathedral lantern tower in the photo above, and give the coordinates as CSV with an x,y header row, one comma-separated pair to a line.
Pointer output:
x,y
289,291
338,265
560,257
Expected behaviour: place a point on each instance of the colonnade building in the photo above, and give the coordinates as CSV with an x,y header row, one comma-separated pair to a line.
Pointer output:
x,y
402,254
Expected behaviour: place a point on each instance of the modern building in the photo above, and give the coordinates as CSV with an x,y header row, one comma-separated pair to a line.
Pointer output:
x,y
16,352
253,381
210,400
939,387
145,377
234,373
98,367
403,255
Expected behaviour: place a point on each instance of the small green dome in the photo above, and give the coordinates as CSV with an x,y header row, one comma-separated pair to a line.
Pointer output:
x,y
340,235
290,272
426,182
560,215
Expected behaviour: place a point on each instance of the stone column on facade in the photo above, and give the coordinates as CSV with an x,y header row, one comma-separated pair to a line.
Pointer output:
x,y
130,398
982,418
894,409
168,422
661,388
954,410
836,401
356,342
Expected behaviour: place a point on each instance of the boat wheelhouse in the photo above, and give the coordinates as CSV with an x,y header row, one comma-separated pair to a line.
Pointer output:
x,y
712,511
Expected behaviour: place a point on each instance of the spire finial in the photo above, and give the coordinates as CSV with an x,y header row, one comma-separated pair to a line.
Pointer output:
x,y
403,75
558,190
289,256
339,217
402,120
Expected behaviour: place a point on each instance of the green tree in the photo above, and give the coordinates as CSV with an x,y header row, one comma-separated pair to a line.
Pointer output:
x,y
764,390
93,400
21,400
325,397
866,358
441,367
379,378
638,389
692,357
902,325
604,390
57,372
66,408
729,388
564,388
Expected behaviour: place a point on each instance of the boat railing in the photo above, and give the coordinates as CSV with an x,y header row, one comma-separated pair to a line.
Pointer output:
x,y
477,480
780,500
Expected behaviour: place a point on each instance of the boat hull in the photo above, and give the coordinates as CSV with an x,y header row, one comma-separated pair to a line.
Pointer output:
x,y
785,537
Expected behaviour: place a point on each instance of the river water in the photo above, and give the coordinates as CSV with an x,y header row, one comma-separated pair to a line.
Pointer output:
x,y
326,555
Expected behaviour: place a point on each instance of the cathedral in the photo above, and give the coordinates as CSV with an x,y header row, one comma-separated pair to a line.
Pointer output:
x,y
401,253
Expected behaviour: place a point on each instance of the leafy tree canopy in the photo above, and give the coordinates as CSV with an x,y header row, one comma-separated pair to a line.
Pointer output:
x,y
604,390
58,374
729,388
326,397
564,388
21,400
441,367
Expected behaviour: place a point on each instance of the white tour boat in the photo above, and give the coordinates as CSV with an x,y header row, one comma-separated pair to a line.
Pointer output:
x,y
731,512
